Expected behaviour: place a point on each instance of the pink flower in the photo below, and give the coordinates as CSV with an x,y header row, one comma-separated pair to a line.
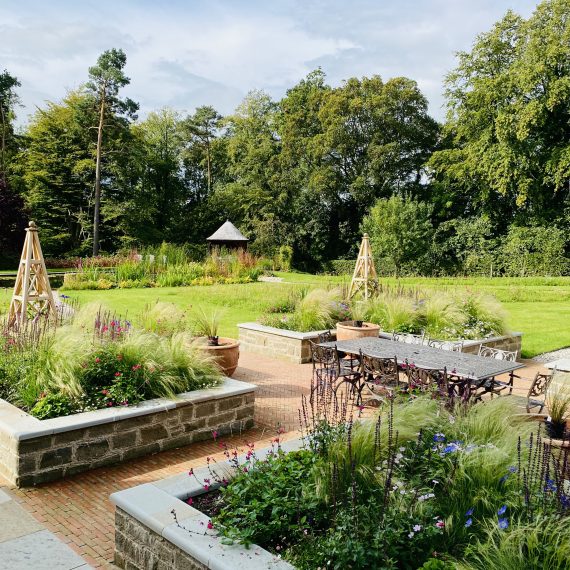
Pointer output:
x,y
97,360
191,472
136,366
215,434
105,392
190,500
206,487
210,525
117,374
439,524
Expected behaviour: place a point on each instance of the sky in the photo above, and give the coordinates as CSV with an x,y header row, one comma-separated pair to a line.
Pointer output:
x,y
186,53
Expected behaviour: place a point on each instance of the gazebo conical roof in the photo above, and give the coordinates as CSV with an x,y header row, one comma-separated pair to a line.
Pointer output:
x,y
227,233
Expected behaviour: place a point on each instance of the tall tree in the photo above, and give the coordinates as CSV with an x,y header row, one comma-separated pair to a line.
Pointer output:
x,y
508,127
105,80
8,100
202,128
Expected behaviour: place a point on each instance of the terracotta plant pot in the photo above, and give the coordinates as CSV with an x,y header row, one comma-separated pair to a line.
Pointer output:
x,y
225,354
349,331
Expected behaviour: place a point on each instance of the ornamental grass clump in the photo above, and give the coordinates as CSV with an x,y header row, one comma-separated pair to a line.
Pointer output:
x,y
99,360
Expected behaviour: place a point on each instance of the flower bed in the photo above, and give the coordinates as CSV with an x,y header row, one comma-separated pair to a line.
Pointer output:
x,y
417,488
147,533
286,330
34,451
168,269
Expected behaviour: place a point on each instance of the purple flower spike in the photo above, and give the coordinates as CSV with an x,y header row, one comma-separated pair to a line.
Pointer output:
x,y
468,522
502,510
469,512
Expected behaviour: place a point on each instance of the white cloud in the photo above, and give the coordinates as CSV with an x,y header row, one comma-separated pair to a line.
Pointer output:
x,y
187,53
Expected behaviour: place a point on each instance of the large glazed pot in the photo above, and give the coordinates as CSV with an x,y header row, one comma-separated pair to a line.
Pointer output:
x,y
225,354
348,330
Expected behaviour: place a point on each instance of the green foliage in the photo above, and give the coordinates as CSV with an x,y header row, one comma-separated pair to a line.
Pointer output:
x,y
79,367
393,312
422,488
53,406
257,512
400,230
166,266
544,543
317,310
534,251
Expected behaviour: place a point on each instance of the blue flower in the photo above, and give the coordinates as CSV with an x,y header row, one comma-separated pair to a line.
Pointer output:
x,y
439,437
468,522
469,512
502,510
503,523
550,485
64,296
513,469
451,448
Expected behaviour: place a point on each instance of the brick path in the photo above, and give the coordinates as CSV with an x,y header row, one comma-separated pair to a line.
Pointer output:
x,y
78,510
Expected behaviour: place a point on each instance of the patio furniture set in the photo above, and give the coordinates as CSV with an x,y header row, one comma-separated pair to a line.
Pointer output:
x,y
371,370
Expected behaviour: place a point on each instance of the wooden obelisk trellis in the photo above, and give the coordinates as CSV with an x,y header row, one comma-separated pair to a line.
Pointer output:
x,y
32,292
364,276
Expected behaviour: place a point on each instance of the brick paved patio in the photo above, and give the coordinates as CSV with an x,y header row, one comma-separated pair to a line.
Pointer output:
x,y
78,511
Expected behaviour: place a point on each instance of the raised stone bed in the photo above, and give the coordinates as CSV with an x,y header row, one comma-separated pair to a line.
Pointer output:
x,y
34,451
295,346
277,343
146,535
509,342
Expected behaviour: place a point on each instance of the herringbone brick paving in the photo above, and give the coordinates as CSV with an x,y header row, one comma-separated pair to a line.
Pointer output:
x,y
78,509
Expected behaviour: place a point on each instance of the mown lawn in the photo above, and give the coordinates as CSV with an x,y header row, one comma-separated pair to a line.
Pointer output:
x,y
537,307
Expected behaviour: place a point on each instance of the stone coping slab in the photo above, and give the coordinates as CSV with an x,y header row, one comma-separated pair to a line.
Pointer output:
x,y
20,425
283,332
561,365
151,504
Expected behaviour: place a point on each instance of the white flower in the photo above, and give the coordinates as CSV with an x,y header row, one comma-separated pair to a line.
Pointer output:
x,y
435,482
411,534
417,527
402,449
402,492
451,420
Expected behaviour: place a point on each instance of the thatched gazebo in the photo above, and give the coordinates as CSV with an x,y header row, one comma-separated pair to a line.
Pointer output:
x,y
228,237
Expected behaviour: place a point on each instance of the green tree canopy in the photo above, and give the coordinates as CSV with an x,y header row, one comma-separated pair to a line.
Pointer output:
x,y
400,231
508,128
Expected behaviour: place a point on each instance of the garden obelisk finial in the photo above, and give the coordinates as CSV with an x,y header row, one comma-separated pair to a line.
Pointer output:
x,y
364,275
32,292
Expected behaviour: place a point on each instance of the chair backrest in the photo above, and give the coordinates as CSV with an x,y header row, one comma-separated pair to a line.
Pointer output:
x,y
539,385
452,346
324,356
426,378
325,336
498,354
379,370
408,338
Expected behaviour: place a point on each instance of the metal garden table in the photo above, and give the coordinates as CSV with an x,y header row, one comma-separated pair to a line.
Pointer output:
x,y
468,366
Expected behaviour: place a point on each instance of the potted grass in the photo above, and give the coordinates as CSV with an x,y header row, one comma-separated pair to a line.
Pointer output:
x,y
558,404
358,327
225,351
